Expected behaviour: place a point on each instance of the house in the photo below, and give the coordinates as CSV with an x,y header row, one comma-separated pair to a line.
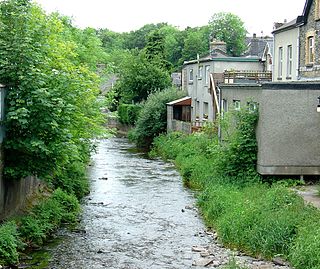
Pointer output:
x,y
297,46
288,130
286,51
309,62
200,76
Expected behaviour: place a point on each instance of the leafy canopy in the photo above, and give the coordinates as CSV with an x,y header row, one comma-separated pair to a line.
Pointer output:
x,y
229,28
52,110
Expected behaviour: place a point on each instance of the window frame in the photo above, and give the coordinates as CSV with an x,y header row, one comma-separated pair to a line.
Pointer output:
x,y
207,74
289,61
200,72
280,63
236,105
191,75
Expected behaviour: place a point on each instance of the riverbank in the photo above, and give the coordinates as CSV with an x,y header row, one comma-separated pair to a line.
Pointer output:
x,y
263,220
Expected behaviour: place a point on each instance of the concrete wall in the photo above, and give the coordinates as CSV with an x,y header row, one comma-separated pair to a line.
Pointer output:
x,y
283,40
14,194
288,131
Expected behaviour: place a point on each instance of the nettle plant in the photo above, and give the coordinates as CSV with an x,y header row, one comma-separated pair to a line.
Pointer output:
x,y
239,146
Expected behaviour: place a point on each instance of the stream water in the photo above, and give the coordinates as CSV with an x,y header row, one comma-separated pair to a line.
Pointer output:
x,y
138,215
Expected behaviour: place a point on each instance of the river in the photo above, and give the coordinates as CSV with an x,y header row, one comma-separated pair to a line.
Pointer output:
x,y
137,216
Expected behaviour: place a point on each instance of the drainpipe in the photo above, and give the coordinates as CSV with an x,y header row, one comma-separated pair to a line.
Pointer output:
x,y
298,55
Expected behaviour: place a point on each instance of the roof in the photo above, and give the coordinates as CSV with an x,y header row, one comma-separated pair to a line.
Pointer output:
x,y
287,26
185,101
306,10
257,46
224,59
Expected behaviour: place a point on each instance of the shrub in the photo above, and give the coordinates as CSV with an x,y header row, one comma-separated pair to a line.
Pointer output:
x,y
128,114
152,119
9,243
47,216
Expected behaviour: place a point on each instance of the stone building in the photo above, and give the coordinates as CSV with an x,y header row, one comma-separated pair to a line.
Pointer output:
x,y
310,41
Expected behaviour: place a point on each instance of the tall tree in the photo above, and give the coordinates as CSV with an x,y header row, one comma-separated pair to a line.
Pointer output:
x,y
229,28
139,76
195,42
52,110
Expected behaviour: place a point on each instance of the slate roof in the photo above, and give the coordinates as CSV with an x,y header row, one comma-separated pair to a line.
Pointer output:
x,y
257,45
286,26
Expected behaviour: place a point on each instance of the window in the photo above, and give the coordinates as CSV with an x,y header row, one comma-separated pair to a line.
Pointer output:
x,y
224,107
289,61
236,104
310,49
191,75
280,64
207,74
205,110
200,72
252,106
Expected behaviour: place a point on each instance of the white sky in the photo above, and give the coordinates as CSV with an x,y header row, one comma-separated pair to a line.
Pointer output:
x,y
127,15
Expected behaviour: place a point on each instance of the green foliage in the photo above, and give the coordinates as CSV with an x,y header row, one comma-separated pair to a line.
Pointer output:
x,y
229,28
128,114
47,217
9,243
240,155
196,41
306,248
152,119
51,102
232,264
139,77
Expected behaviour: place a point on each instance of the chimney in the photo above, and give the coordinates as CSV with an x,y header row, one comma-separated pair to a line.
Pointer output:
x,y
277,25
217,45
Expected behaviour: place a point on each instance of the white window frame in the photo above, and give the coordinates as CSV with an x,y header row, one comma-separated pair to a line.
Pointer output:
x,y
200,71
191,75
207,74
236,105
310,48
280,64
289,61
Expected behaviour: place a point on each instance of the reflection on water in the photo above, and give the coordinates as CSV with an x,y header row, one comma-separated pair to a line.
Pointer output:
x,y
135,216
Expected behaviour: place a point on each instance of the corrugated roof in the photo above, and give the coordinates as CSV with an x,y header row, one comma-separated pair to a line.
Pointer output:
x,y
185,101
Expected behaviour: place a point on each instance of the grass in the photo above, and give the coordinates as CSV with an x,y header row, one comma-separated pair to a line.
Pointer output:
x,y
261,219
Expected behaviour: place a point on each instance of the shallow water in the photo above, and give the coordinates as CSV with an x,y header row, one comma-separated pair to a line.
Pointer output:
x,y
138,215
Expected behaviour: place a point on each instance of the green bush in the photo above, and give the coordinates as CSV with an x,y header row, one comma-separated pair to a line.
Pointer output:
x,y
48,216
152,119
128,114
9,243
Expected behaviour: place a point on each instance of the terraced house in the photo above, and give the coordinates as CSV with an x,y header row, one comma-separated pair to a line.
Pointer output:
x,y
289,120
288,131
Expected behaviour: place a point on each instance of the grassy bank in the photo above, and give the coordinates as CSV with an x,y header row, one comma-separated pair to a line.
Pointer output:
x,y
264,220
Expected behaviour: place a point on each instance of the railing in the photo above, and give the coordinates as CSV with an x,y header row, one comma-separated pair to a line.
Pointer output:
x,y
249,76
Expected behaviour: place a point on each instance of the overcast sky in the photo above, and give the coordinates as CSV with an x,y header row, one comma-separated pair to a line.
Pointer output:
x,y
127,15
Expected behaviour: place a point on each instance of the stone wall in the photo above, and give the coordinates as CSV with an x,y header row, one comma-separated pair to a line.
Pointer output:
x,y
312,27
